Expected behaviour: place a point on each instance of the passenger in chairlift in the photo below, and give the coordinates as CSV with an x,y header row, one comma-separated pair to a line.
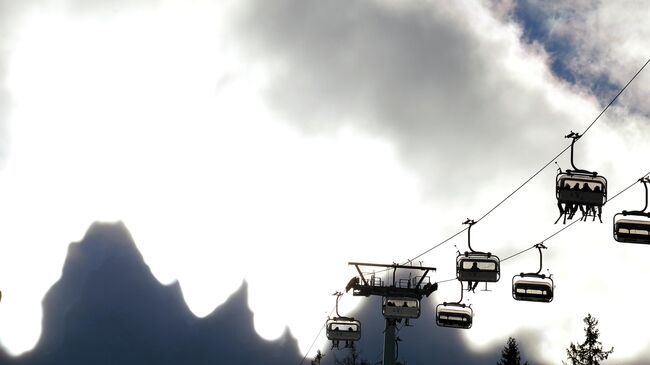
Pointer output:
x,y
471,287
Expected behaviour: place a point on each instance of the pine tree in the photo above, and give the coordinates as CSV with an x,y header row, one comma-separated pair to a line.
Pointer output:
x,y
353,358
319,357
591,351
510,354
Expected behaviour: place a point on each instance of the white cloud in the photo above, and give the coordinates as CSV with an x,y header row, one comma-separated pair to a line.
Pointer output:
x,y
296,136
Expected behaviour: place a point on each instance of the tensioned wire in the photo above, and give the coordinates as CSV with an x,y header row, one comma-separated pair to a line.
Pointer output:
x,y
542,168
531,177
510,195
562,229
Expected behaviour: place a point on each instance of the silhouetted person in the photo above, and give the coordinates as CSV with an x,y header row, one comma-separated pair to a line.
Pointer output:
x,y
471,287
562,208
567,209
354,281
335,343
349,343
405,304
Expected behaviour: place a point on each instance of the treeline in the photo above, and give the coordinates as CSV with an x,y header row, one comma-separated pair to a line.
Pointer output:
x,y
589,352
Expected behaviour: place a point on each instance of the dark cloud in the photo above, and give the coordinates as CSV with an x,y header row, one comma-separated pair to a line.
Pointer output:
x,y
414,74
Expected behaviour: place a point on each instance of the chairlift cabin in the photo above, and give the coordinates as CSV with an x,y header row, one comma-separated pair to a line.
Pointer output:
x,y
634,226
584,188
532,287
401,307
343,329
635,230
579,186
478,267
454,315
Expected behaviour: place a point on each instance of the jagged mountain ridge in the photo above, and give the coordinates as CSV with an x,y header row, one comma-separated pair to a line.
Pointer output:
x,y
108,308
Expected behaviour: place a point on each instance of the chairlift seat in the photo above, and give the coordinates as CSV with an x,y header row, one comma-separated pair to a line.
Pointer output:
x,y
401,307
632,230
532,288
569,188
454,315
343,329
478,267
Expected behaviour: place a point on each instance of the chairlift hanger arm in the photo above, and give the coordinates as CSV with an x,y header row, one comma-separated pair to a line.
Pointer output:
x,y
338,296
576,136
539,248
645,182
470,222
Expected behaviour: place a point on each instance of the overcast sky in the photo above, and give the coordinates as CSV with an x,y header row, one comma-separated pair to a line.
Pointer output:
x,y
274,141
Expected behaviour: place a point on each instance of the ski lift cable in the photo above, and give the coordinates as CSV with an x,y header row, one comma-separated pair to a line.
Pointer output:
x,y
316,338
513,193
575,221
558,231
616,97
543,167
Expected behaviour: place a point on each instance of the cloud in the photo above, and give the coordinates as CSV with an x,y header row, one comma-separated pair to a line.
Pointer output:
x,y
424,76
278,140
595,44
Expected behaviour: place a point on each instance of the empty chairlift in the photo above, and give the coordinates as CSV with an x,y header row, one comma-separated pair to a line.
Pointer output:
x,y
474,266
533,287
401,307
579,189
339,328
634,226
455,314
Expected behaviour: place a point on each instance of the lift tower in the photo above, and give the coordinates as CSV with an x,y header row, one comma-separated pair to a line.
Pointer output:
x,y
400,297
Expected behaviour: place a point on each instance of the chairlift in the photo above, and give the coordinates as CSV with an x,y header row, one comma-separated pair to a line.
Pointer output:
x,y
477,266
634,226
533,287
455,314
579,188
401,307
342,328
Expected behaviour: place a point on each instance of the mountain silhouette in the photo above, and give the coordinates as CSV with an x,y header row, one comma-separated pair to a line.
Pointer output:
x,y
108,308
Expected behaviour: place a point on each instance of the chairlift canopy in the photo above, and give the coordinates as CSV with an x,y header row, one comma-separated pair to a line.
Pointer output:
x,y
478,266
401,307
532,287
632,230
343,329
454,315
581,188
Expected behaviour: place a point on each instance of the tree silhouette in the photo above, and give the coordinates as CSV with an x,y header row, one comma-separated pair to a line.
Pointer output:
x,y
510,354
353,358
318,358
591,351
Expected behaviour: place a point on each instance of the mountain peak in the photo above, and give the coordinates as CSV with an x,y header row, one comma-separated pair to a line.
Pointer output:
x,y
107,307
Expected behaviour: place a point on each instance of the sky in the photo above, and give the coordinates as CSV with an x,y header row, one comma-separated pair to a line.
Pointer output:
x,y
276,141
